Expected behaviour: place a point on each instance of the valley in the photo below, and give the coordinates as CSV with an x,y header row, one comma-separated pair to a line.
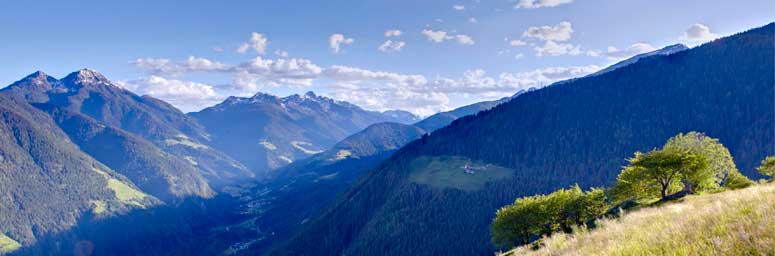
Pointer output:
x,y
526,127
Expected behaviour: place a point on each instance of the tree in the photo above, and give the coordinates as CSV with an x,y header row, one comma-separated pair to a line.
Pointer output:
x,y
662,173
720,161
531,217
768,166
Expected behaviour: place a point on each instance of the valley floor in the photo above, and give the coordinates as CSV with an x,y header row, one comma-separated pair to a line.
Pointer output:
x,y
740,222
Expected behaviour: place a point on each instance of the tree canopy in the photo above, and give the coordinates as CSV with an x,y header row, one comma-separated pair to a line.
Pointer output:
x,y
768,166
533,216
686,164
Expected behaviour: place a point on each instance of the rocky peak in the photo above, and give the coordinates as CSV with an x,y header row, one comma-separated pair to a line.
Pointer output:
x,y
85,77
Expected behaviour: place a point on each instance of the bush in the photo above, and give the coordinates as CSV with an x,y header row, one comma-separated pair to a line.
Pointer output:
x,y
531,217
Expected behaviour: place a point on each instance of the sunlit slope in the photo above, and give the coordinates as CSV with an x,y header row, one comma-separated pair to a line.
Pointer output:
x,y
740,222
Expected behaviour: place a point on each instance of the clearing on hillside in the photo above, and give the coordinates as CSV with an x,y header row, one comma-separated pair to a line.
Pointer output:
x,y
456,172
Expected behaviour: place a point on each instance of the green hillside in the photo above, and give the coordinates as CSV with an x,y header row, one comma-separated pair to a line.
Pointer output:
x,y
738,222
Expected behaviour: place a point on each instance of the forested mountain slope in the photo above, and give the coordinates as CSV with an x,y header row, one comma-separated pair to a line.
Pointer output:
x,y
46,182
156,172
439,120
420,201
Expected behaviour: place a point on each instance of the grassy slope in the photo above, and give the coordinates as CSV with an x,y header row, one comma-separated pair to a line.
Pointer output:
x,y
740,222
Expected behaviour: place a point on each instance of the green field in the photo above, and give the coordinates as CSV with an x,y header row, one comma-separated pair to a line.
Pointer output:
x,y
7,244
448,172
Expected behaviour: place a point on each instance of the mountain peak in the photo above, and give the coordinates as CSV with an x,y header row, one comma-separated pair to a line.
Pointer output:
x,y
86,76
670,49
37,74
310,94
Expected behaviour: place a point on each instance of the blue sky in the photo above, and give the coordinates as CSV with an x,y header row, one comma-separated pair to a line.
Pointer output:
x,y
449,53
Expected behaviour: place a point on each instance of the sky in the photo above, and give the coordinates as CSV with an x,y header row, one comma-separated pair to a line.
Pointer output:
x,y
421,56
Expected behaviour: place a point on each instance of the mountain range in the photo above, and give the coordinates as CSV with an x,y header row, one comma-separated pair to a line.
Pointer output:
x,y
82,159
437,195
266,132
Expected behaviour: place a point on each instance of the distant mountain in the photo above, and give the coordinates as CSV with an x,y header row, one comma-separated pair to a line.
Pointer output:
x,y
442,119
266,132
47,183
422,201
377,139
91,94
667,50
401,116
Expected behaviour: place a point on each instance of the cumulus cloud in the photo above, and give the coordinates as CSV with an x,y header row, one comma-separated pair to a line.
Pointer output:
x,y
440,36
186,95
257,42
435,36
551,48
616,54
372,89
352,74
392,32
391,46
459,7
335,41
294,71
532,4
464,39
281,53
517,43
559,33
422,96
167,67
699,33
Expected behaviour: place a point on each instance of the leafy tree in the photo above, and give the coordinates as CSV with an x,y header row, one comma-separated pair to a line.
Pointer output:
x,y
720,161
534,216
768,166
662,173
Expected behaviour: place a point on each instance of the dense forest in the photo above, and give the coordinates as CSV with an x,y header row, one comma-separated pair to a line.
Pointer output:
x,y
577,132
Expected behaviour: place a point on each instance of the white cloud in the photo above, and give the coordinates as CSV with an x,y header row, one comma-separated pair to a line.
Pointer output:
x,y
336,40
186,95
391,46
217,49
167,67
425,97
560,32
281,53
372,89
699,33
435,36
532,4
441,36
459,7
464,39
551,48
352,74
517,43
294,71
615,53
472,20
519,56
392,32
257,42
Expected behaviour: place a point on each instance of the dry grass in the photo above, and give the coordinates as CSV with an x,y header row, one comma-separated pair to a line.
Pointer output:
x,y
740,222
